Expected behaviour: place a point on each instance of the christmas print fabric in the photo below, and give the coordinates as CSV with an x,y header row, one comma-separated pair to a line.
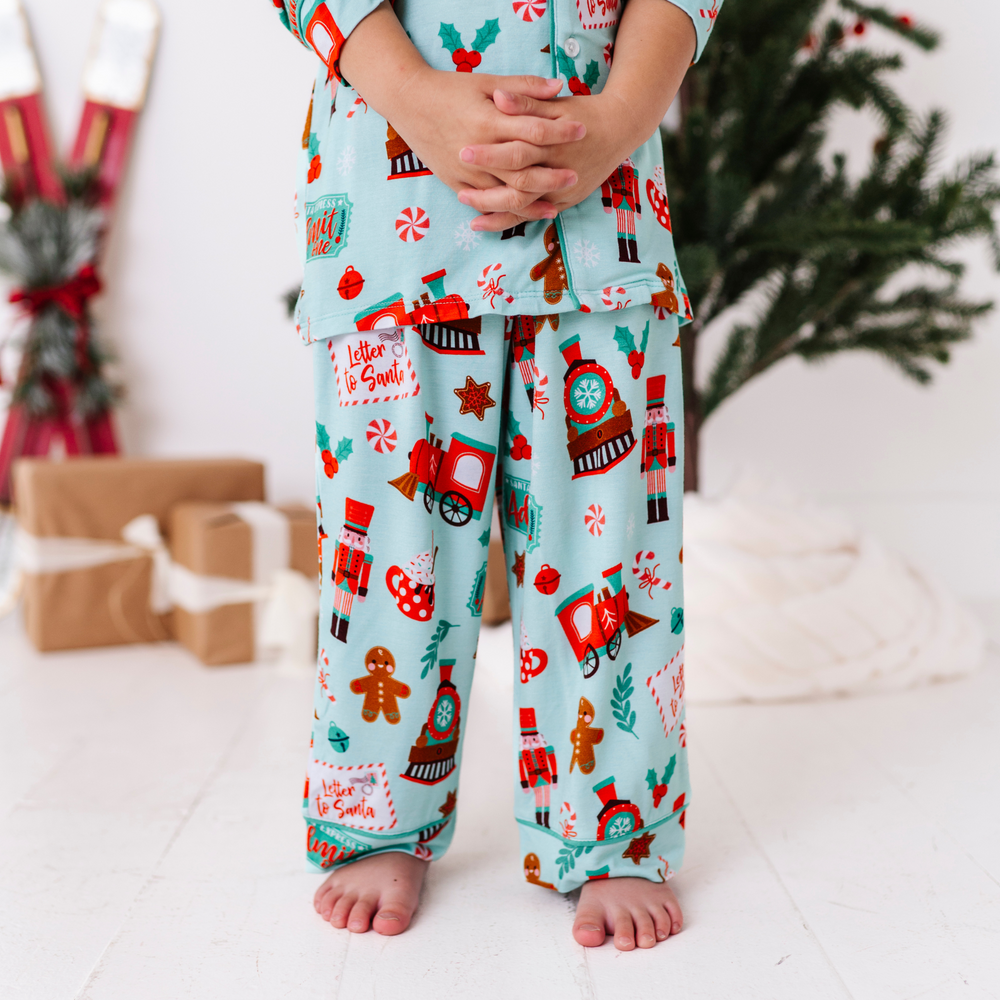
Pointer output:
x,y
384,243
569,422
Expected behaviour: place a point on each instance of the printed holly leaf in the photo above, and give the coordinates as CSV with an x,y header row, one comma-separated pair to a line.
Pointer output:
x,y
322,438
593,73
668,771
344,448
645,339
566,65
450,38
313,145
651,779
486,35
624,339
484,538
513,428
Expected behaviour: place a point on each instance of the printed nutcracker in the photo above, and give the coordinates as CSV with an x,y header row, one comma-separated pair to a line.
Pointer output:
x,y
537,763
621,193
352,565
658,455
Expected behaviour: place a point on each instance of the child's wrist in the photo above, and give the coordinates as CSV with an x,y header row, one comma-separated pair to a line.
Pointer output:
x,y
624,130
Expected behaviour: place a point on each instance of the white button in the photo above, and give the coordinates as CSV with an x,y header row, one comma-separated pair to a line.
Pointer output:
x,y
572,48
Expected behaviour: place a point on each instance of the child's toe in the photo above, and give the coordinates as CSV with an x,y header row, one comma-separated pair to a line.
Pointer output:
x,y
624,930
392,918
645,932
341,909
662,923
673,908
588,928
360,917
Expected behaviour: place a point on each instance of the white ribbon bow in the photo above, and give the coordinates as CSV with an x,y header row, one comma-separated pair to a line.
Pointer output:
x,y
286,602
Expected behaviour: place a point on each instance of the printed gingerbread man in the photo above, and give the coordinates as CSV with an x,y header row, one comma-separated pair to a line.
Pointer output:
x,y
584,738
665,301
533,871
552,269
379,687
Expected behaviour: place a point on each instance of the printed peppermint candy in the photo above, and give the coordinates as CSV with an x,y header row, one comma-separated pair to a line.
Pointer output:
x,y
490,285
412,224
615,298
529,10
381,436
594,520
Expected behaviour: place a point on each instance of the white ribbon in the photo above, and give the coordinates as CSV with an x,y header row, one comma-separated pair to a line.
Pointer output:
x,y
285,601
144,533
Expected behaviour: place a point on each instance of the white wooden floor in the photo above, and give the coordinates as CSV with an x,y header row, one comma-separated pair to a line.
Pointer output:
x,y
150,849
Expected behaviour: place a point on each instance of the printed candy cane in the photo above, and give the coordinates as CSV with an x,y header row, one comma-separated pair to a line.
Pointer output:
x,y
647,577
490,283
541,382
354,107
614,298
567,824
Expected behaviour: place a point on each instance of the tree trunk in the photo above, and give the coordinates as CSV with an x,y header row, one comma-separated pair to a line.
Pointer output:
x,y
692,410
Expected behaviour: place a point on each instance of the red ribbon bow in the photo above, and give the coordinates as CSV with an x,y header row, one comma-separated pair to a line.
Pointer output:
x,y
71,296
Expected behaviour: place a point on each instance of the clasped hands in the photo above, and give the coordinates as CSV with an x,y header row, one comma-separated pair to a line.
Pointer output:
x,y
508,146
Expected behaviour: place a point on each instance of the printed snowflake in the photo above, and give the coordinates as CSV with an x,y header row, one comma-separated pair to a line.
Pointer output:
x,y
588,393
630,526
347,159
586,253
466,237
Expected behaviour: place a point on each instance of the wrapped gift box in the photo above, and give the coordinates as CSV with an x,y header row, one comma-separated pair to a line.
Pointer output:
x,y
496,602
84,585
226,558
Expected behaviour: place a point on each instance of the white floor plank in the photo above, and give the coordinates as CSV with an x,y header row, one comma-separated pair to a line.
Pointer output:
x,y
150,847
744,937
896,903
145,732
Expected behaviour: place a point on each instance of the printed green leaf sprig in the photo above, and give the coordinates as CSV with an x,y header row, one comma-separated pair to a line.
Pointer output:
x,y
429,659
626,344
567,857
568,69
466,60
332,460
621,705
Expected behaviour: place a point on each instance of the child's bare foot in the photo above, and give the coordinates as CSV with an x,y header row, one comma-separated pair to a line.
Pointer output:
x,y
635,910
379,892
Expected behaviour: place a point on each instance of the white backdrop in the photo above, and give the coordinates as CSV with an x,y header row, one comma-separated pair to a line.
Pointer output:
x,y
202,250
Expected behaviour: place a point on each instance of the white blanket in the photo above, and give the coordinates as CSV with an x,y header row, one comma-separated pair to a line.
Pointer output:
x,y
787,600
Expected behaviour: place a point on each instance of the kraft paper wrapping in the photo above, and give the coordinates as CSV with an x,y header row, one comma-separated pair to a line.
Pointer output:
x,y
213,541
496,603
95,497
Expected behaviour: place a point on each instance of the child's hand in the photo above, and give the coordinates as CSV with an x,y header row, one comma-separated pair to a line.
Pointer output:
x,y
611,135
442,115
653,49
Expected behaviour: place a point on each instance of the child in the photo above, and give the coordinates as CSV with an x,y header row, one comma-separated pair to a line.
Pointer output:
x,y
530,350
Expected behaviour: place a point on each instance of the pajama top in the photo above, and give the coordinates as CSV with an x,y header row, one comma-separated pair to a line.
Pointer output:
x,y
384,243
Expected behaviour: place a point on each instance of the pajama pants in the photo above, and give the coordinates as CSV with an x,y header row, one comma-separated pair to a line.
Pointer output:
x,y
418,430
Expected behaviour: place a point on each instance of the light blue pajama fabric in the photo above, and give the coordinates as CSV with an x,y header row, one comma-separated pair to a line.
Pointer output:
x,y
574,421
378,232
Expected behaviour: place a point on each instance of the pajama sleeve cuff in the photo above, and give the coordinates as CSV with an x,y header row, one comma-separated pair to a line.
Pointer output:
x,y
702,14
324,26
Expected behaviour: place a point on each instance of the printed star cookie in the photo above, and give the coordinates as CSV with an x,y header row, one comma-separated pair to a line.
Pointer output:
x,y
475,397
